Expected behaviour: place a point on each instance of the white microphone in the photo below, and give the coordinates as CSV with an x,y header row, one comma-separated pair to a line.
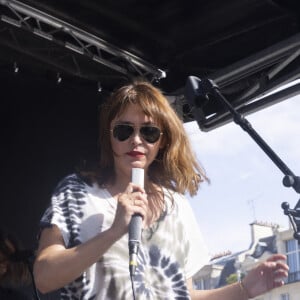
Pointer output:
x,y
135,225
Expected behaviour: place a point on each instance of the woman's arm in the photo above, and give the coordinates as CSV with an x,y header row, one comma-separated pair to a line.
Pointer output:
x,y
56,266
230,292
261,279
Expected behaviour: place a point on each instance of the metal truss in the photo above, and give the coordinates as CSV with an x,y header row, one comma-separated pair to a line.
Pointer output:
x,y
273,76
269,63
58,32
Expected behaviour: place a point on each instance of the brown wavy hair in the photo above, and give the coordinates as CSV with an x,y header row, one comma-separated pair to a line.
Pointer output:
x,y
175,166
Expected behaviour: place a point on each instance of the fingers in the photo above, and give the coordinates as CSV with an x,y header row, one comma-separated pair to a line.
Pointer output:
x,y
282,266
134,200
277,269
267,275
277,257
139,203
134,188
279,277
280,273
277,262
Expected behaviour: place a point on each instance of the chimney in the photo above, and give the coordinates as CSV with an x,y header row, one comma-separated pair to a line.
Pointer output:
x,y
261,230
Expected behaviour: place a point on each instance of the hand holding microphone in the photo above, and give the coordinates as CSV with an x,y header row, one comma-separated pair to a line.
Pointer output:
x,y
135,225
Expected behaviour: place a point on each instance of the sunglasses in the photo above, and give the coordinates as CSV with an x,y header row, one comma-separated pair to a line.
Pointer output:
x,y
149,133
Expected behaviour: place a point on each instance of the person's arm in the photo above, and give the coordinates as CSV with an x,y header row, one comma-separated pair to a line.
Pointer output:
x,y
56,266
261,279
230,292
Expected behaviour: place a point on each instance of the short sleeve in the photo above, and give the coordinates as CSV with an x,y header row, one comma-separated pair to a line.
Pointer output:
x,y
197,255
64,207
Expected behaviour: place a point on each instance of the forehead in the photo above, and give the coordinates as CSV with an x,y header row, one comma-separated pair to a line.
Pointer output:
x,y
133,113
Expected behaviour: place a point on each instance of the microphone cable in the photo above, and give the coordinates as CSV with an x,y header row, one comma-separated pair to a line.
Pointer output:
x,y
135,230
133,253
132,286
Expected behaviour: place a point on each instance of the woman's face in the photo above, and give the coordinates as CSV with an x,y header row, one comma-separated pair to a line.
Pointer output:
x,y
135,151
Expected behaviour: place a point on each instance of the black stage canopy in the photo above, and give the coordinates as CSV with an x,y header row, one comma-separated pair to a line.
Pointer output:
x,y
58,59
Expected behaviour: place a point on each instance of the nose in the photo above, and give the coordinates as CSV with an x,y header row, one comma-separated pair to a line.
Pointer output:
x,y
136,138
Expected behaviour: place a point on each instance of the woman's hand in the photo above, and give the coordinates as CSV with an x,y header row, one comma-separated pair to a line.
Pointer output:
x,y
133,200
266,276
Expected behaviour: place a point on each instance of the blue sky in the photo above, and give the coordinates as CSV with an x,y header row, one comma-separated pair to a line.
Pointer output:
x,y
245,184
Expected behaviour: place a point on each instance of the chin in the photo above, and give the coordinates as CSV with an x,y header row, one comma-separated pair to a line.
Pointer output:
x,y
138,164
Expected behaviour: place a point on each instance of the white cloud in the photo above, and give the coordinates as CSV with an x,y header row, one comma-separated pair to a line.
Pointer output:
x,y
278,125
241,172
224,141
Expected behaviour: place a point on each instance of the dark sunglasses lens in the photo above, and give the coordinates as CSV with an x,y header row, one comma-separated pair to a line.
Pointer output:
x,y
122,132
150,134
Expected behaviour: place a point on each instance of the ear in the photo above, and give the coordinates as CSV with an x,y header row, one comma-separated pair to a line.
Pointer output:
x,y
163,143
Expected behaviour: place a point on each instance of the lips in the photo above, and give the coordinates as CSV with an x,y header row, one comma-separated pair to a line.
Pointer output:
x,y
135,154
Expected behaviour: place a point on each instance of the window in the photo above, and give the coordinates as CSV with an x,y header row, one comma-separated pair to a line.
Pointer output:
x,y
284,297
293,260
202,284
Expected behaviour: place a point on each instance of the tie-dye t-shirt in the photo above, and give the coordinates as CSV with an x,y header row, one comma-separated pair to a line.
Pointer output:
x,y
171,251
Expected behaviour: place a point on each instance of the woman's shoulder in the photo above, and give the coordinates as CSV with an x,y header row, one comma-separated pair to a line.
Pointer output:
x,y
175,200
73,181
173,195
76,183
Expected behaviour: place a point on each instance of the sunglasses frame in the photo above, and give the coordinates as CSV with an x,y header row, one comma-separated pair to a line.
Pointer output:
x,y
144,137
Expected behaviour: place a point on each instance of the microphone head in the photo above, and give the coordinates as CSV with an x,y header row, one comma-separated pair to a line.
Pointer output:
x,y
137,176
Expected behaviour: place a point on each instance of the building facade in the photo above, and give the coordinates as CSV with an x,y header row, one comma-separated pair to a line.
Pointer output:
x,y
266,239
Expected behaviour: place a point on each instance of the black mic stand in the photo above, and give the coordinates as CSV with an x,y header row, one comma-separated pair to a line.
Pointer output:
x,y
196,89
